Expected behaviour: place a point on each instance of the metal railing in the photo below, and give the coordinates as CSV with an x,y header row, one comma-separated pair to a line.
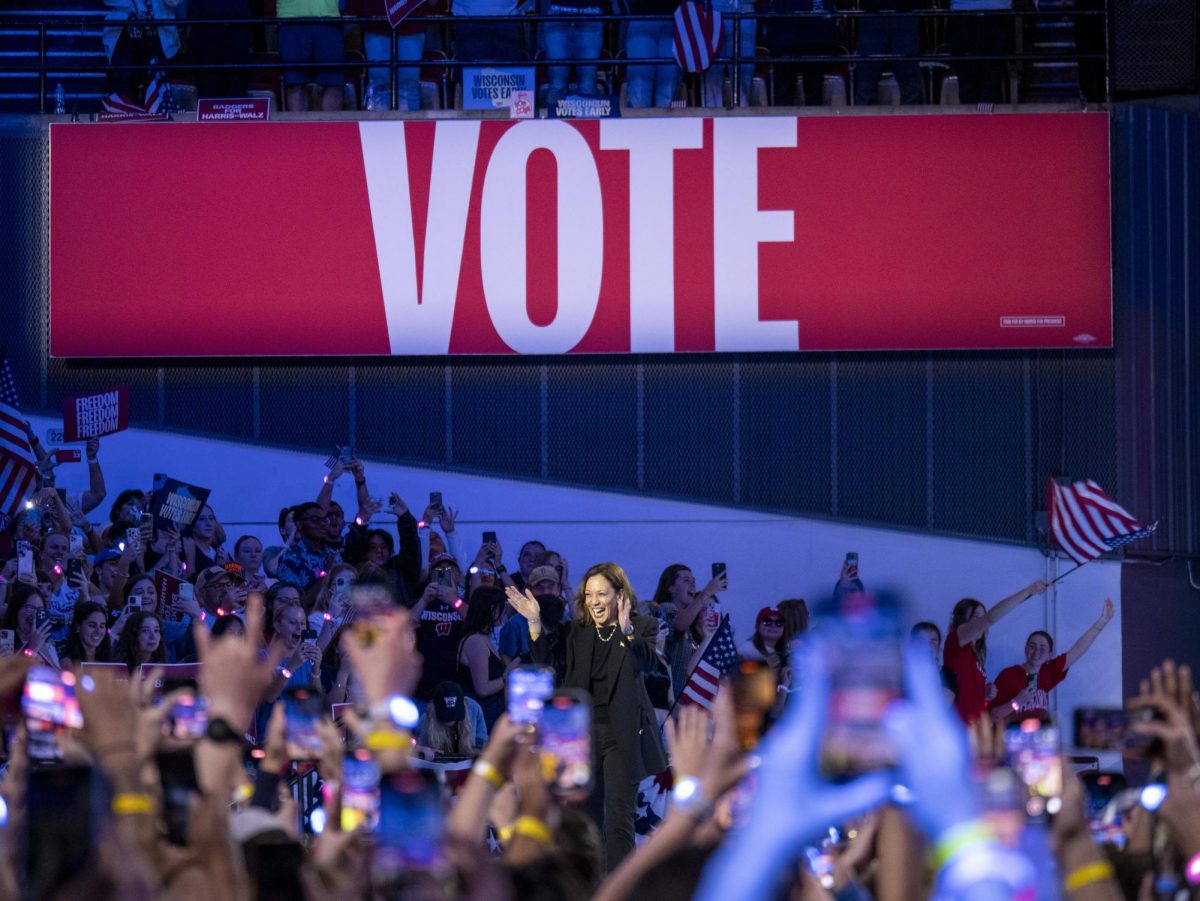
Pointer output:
x,y
734,58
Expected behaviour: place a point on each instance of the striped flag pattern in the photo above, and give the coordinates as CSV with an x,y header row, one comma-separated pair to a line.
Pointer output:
x,y
698,35
158,98
18,463
714,663
1086,523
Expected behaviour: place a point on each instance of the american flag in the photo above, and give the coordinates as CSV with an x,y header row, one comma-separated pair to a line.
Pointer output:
x,y
18,463
714,663
159,98
1086,523
698,34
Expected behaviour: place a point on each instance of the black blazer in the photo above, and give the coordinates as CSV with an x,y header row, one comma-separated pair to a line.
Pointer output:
x,y
634,726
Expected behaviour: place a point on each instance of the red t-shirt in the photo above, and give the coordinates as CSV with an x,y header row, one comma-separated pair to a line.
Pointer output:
x,y
1013,680
971,700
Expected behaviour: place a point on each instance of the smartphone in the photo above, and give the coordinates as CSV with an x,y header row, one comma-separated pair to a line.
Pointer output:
x,y
8,641
718,569
146,521
24,559
1033,753
177,772
188,718
1001,795
360,792
133,536
852,562
76,544
865,661
444,579
754,694
49,705
489,537
1108,729
341,585
74,570
65,810
435,500
409,830
529,687
41,616
303,709
186,591
565,734
1099,789
308,636
345,454
134,603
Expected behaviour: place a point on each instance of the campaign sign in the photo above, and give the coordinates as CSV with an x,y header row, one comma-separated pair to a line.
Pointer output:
x,y
522,105
176,504
575,106
95,415
171,591
238,109
399,10
487,87
66,455
171,673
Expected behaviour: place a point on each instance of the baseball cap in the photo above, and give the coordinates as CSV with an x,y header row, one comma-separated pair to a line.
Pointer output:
x,y
442,558
109,553
542,574
212,576
449,702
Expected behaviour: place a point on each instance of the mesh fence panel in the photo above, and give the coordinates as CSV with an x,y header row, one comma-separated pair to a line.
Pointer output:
x,y
688,427
305,406
23,177
591,423
881,439
401,411
497,417
786,433
220,397
978,483
68,377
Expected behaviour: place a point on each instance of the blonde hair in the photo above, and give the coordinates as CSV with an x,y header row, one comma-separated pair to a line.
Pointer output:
x,y
454,739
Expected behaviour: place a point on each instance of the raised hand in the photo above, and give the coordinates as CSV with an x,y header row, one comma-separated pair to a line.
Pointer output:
x,y
388,665
525,604
396,505
447,517
625,614
234,678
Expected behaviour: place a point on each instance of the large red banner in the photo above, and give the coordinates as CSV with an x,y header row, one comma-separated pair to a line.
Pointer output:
x,y
615,236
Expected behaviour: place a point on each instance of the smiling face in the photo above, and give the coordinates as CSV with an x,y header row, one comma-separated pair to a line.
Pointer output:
x,y
143,590
1037,650
600,598
92,629
334,524
683,587
27,615
54,550
770,629
289,623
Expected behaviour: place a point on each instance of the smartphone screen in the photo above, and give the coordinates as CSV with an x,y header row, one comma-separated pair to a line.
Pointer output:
x,y
435,500
866,674
1107,729
444,578
529,687
146,521
303,709
718,569
1001,796
188,718
177,771
489,537
565,734
1033,753
49,696
410,826
754,694
24,559
360,792
74,570
65,808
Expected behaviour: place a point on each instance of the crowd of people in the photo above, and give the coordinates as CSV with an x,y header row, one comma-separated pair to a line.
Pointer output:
x,y
336,713
309,52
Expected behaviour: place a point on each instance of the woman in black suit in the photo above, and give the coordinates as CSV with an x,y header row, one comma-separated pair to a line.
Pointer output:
x,y
609,649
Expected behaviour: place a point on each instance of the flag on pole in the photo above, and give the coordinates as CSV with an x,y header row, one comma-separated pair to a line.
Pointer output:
x,y
698,34
159,98
714,663
18,463
1086,523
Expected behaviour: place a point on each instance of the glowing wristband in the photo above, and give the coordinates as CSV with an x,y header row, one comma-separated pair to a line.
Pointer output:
x,y
485,770
125,805
1089,873
1191,870
958,838
387,740
535,829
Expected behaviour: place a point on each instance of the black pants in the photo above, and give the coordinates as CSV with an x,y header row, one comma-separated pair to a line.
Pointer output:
x,y
613,801
981,81
135,47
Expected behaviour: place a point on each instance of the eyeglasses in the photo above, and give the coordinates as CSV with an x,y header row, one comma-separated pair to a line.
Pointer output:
x,y
772,622
315,517
443,570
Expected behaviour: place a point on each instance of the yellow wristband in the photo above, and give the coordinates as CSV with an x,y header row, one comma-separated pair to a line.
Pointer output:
x,y
1096,871
387,740
535,829
124,805
505,834
485,770
956,838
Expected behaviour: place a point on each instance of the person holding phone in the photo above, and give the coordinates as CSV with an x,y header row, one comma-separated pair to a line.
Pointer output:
x,y
965,650
767,644
28,615
1023,690
692,616
609,649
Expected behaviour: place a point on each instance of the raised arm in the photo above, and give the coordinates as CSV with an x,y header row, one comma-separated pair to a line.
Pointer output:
x,y
1089,637
96,490
974,629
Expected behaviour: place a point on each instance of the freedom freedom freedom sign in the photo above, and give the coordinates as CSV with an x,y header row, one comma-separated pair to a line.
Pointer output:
x,y
643,235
